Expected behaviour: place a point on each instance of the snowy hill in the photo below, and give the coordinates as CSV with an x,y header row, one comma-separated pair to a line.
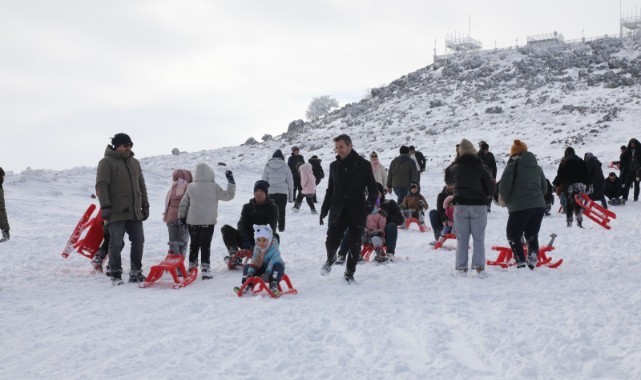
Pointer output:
x,y
408,320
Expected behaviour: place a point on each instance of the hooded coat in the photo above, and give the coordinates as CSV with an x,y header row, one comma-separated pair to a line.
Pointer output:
x,y
529,187
631,159
279,177
121,186
199,205
307,179
596,174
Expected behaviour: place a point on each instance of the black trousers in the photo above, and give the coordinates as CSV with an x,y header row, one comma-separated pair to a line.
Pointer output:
x,y
524,222
200,239
281,202
335,235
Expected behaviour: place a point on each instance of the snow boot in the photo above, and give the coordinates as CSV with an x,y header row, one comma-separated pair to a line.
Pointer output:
x,y
349,276
116,279
5,236
480,272
380,255
206,274
340,259
327,268
273,287
136,276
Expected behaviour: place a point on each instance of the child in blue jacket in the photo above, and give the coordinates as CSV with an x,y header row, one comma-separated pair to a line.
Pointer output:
x,y
266,261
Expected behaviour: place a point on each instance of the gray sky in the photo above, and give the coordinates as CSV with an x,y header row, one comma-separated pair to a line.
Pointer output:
x,y
205,74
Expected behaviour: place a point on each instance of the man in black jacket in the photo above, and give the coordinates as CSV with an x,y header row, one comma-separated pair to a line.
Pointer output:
x,y
488,159
292,162
349,176
261,210
630,163
420,158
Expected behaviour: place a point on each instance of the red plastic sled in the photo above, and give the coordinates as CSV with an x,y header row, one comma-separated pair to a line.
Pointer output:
x,y
439,244
243,254
88,244
173,264
600,215
421,227
367,250
77,232
255,281
506,257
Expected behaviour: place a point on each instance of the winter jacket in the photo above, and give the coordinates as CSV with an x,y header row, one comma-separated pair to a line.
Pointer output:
x,y
440,200
472,180
572,170
279,177
394,213
182,179
449,210
380,173
376,223
402,171
200,202
307,179
292,161
631,160
272,256
612,189
317,169
595,172
253,213
529,187
121,186
420,158
411,202
1,177
348,180
488,159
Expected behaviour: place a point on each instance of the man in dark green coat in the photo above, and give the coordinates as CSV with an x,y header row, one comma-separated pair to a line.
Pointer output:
x,y
121,189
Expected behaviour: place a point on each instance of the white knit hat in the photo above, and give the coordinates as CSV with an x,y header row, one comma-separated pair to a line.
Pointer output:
x,y
264,231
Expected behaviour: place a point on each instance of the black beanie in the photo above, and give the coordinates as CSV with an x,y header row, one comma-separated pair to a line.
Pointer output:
x,y
261,185
278,154
405,149
119,139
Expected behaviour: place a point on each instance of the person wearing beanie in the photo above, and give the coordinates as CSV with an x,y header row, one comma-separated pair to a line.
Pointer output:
x,y
402,171
4,221
523,187
281,181
414,204
293,160
488,159
266,261
122,193
261,210
572,178
317,170
473,186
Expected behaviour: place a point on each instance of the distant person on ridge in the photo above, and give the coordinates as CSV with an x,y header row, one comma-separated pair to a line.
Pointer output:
x,y
122,192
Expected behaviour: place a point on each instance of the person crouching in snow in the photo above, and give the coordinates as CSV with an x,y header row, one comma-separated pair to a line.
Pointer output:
x,y
308,187
198,211
265,261
448,224
374,233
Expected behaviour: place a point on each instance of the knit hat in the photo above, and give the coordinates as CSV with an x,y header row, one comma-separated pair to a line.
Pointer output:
x,y
612,174
519,147
278,154
120,139
261,185
295,149
413,184
405,150
314,157
466,147
483,145
264,231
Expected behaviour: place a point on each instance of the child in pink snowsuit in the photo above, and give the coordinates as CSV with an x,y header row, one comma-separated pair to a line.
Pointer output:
x,y
374,233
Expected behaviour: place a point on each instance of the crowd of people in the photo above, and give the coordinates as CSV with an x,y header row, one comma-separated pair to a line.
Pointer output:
x,y
355,205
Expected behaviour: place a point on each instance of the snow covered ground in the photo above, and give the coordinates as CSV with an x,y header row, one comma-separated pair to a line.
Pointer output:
x,y
407,320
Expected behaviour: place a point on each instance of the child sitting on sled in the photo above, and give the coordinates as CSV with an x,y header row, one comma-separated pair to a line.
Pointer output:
x,y
414,204
266,261
449,223
374,233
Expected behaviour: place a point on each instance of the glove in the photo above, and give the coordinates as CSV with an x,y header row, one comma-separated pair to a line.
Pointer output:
x,y
145,213
265,276
182,222
589,190
106,213
230,177
421,204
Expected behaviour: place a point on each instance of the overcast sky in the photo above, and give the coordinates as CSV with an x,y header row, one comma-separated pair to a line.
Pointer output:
x,y
202,74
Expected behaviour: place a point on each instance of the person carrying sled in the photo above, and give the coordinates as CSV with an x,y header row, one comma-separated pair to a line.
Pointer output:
x,y
266,261
349,177
181,178
198,211
121,190
261,210
4,222
281,181
523,187
573,179
414,204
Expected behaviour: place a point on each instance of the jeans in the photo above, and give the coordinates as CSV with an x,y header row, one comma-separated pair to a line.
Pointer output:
x,y
435,221
401,192
470,220
179,234
117,230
